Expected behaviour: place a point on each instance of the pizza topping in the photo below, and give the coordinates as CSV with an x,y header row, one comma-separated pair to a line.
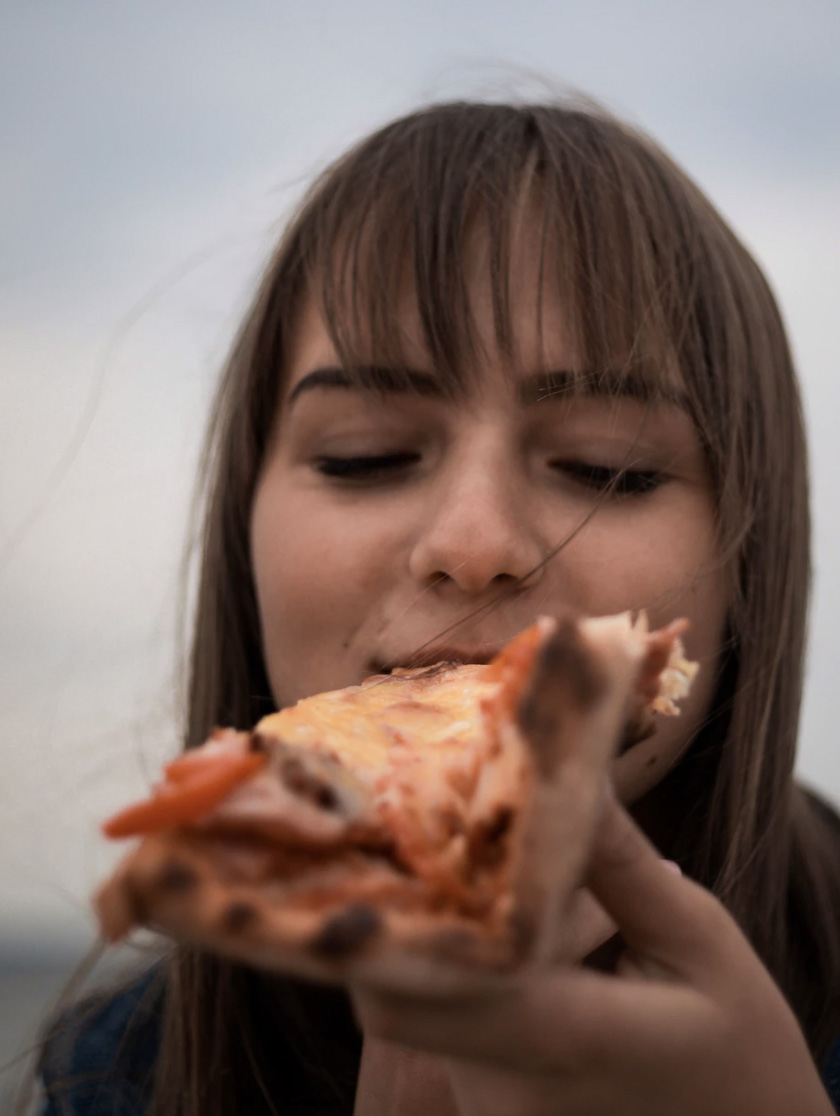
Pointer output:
x,y
194,786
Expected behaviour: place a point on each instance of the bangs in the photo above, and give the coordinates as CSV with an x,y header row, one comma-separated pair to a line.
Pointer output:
x,y
406,224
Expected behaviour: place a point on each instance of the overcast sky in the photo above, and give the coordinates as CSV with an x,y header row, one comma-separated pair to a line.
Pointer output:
x,y
150,152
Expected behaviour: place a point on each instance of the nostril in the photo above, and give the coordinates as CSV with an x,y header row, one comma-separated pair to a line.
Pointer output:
x,y
475,556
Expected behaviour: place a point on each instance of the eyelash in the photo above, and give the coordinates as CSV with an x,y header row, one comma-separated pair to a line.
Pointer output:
x,y
614,482
599,478
374,467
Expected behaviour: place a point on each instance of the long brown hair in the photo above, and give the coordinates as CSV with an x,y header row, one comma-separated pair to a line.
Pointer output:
x,y
651,278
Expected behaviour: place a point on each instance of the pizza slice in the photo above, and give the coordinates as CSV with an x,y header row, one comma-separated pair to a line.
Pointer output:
x,y
422,831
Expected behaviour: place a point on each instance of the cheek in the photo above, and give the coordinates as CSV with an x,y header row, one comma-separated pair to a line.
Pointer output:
x,y
296,584
686,577
320,574
302,552
672,569
666,564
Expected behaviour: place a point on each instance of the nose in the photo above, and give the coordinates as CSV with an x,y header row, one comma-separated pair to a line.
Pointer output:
x,y
481,531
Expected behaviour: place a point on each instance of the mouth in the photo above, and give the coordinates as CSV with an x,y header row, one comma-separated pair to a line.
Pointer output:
x,y
431,656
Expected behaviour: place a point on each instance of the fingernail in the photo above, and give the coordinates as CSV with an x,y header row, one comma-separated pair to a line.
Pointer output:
x,y
672,866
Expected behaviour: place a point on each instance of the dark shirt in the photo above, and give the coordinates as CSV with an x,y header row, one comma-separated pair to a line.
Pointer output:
x,y
99,1059
831,1075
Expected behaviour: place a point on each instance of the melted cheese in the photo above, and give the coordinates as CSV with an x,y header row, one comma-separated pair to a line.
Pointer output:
x,y
382,724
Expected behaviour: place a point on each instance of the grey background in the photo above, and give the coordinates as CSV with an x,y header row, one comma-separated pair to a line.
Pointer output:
x,y
150,152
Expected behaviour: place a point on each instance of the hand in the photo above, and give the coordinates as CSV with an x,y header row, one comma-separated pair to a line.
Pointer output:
x,y
395,1078
692,1023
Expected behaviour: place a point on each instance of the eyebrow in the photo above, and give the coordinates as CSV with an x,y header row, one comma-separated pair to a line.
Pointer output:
x,y
370,377
535,388
608,383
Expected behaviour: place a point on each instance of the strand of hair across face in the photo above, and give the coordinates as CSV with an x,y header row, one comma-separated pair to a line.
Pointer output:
x,y
488,606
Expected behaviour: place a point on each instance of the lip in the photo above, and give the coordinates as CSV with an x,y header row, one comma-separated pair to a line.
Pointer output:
x,y
430,656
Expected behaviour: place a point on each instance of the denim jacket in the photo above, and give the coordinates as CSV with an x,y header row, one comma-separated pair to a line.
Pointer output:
x,y
98,1059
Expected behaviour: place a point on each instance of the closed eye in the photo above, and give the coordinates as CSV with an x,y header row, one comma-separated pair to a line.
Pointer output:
x,y
612,481
366,468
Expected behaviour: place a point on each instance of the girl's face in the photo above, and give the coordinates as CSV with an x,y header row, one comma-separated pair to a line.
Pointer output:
x,y
384,517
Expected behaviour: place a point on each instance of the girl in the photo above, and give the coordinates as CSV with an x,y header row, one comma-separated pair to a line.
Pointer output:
x,y
508,360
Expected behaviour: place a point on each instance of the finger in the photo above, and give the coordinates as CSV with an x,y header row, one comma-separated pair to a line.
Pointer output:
x,y
660,914
565,1022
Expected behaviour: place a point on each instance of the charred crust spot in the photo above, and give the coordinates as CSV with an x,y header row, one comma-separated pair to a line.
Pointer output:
x,y
308,786
565,675
347,932
326,798
177,878
238,917
565,655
